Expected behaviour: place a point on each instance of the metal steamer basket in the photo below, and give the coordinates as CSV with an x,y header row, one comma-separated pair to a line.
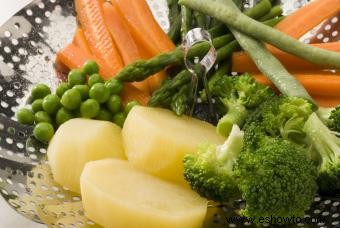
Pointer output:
x,y
28,44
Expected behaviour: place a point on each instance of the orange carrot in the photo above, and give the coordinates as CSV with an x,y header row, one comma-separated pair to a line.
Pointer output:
x,y
123,39
91,18
327,102
73,57
306,18
80,41
320,85
145,29
242,63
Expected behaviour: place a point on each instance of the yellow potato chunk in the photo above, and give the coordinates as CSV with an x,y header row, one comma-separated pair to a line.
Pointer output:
x,y
156,140
79,141
118,195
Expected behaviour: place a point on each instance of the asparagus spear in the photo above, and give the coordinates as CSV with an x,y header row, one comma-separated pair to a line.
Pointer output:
x,y
200,19
186,20
180,102
175,29
274,12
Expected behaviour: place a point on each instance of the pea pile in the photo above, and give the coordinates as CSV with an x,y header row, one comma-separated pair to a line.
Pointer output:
x,y
84,95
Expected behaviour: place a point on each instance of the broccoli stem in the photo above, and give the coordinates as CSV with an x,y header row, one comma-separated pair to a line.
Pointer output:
x,y
227,12
236,114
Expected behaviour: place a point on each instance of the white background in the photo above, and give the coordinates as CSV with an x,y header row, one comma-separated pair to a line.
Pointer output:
x,y
8,217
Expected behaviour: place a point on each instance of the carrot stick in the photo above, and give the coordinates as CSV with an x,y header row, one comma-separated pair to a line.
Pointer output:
x,y
306,18
327,102
80,41
145,29
320,85
91,18
74,57
123,39
242,63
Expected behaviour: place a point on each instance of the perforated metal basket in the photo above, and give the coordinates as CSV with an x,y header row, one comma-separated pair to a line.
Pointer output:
x,y
28,44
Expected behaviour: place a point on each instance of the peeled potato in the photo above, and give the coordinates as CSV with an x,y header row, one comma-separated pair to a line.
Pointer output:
x,y
79,141
118,195
156,140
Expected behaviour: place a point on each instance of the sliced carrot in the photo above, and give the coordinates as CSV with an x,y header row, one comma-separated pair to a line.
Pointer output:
x,y
123,39
320,85
241,62
145,29
80,41
327,102
306,18
73,57
91,18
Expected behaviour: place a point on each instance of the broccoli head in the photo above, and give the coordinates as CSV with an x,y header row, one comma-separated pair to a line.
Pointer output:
x,y
210,170
277,179
334,120
328,147
237,96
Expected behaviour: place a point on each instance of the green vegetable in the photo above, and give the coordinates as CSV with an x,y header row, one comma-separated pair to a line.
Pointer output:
x,y
76,77
25,116
43,132
186,21
42,117
100,92
83,90
274,21
277,179
119,118
90,67
175,29
181,101
114,86
51,104
37,105
40,91
200,19
210,171
273,13
328,147
104,115
89,108
62,88
63,115
130,105
227,12
71,99
94,79
334,120
114,104
238,95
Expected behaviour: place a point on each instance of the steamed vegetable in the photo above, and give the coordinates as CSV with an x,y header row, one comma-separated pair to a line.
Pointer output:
x,y
91,18
80,41
210,171
237,20
273,13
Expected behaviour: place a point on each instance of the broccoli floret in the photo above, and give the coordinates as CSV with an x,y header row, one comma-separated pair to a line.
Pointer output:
x,y
238,95
278,179
210,170
331,117
328,146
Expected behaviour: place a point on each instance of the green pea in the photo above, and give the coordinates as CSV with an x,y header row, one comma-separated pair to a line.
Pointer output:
x,y
37,105
114,104
71,99
83,90
25,116
51,104
94,79
114,86
130,105
76,77
99,92
40,91
119,118
63,115
41,117
43,132
89,108
104,115
62,88
90,67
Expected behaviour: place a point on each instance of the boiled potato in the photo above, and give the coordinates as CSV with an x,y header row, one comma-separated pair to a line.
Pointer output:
x,y
156,140
118,195
78,141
